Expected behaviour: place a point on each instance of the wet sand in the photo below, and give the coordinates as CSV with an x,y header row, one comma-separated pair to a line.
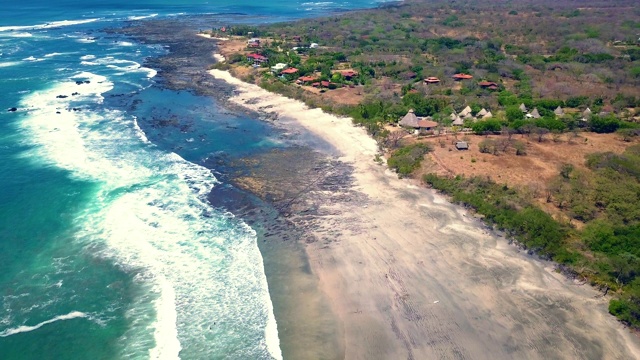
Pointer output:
x,y
411,276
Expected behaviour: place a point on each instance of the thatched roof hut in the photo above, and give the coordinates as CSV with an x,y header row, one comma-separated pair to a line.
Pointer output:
x,y
458,121
558,111
409,120
535,114
466,111
523,108
482,112
487,115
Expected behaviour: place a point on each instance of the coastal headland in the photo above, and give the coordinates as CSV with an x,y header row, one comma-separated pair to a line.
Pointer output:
x,y
363,265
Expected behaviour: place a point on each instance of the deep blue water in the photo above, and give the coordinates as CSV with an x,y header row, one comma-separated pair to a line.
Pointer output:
x,y
108,247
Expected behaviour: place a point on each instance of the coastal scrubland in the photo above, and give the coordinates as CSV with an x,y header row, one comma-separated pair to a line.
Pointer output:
x,y
563,181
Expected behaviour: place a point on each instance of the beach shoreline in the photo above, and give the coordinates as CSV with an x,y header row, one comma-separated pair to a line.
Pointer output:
x,y
407,274
411,276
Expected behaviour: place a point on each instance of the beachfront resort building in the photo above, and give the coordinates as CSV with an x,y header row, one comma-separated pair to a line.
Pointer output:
x,y
419,124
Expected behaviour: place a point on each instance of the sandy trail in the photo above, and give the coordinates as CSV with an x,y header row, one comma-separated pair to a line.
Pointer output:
x,y
414,277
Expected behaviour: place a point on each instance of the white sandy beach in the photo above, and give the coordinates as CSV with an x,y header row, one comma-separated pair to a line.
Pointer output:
x,y
419,278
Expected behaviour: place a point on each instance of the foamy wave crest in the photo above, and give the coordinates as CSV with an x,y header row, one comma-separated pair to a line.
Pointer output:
x,y
9,63
24,328
310,6
142,17
149,214
54,24
125,66
16,35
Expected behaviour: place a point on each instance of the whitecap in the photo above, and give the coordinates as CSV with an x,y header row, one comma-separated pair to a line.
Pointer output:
x,y
16,35
142,17
9,63
24,328
150,215
54,24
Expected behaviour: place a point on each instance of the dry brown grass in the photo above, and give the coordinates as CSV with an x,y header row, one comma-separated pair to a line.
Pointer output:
x,y
540,165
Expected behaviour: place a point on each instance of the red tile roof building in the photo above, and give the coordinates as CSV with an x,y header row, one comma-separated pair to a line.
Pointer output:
x,y
257,58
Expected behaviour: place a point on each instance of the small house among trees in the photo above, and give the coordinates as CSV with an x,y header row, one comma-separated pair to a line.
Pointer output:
x,y
488,85
431,80
462,76
257,58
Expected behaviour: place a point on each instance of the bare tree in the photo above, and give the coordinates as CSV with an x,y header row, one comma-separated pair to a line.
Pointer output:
x,y
503,144
508,132
541,132
392,141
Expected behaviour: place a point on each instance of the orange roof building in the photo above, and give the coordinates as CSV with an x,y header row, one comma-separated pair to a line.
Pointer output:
x,y
305,79
431,80
461,76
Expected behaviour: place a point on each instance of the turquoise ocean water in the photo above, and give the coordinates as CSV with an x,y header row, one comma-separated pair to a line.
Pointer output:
x,y
108,246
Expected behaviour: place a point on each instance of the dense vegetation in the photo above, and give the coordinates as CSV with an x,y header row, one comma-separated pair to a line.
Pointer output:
x,y
544,55
605,197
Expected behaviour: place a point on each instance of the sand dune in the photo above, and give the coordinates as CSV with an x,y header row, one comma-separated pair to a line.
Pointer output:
x,y
414,277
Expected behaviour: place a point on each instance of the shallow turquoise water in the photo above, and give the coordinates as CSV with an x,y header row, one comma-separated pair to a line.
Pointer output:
x,y
108,247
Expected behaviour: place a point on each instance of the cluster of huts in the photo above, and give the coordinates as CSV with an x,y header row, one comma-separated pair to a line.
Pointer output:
x,y
559,112
467,114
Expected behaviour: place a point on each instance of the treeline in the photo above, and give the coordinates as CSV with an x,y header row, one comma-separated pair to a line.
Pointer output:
x,y
605,198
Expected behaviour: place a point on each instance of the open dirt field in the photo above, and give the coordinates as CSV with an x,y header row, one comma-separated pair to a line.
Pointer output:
x,y
542,162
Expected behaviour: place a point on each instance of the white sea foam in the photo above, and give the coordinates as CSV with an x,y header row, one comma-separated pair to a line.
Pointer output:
x,y
149,215
53,54
141,17
24,328
31,58
87,57
9,63
124,43
16,34
125,66
54,24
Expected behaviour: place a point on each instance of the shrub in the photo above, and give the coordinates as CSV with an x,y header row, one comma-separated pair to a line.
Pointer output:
x,y
520,147
407,159
488,146
602,125
486,126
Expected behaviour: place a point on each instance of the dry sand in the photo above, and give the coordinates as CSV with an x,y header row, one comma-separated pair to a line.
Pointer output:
x,y
414,277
